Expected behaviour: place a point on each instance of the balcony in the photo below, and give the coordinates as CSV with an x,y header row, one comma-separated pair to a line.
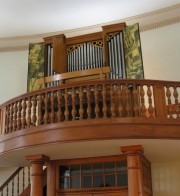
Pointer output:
x,y
96,110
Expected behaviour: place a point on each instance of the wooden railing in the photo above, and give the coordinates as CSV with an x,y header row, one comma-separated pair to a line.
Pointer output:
x,y
92,100
16,183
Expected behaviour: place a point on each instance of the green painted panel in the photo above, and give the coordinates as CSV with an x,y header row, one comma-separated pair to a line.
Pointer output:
x,y
35,65
133,53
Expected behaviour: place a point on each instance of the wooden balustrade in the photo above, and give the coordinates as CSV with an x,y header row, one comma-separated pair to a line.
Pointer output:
x,y
16,183
92,100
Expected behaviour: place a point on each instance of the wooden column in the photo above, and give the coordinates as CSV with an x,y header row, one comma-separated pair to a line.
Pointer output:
x,y
134,169
37,162
51,178
59,54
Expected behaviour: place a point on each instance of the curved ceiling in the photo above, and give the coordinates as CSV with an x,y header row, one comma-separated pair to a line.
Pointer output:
x,y
30,17
156,150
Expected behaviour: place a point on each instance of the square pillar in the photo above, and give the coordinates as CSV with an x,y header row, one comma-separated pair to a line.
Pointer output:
x,y
134,169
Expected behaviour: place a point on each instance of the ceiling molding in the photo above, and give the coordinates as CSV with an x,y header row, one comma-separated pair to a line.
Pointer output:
x,y
14,49
20,43
160,24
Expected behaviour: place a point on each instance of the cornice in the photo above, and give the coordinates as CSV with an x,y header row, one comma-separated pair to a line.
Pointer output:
x,y
14,49
162,18
164,23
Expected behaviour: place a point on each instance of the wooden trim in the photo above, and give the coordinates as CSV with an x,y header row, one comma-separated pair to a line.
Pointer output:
x,y
114,27
92,159
76,74
95,191
48,40
84,38
134,148
59,54
90,130
160,102
51,178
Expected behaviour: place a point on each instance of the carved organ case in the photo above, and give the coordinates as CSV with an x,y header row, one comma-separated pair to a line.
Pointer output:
x,y
91,51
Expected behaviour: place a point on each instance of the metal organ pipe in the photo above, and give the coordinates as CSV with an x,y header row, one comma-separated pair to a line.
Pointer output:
x,y
116,56
85,56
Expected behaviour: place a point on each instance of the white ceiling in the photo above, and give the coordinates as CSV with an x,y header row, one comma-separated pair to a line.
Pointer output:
x,y
31,17
156,150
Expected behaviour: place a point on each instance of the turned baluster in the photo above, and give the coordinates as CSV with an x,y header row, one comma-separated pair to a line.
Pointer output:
x,y
59,106
19,115
177,110
73,104
24,113
88,94
28,174
66,112
7,189
15,117
81,103
135,98
104,101
40,109
18,184
112,101
96,110
127,96
52,115
46,108
29,112
143,107
34,117
7,119
12,187
11,117
150,108
120,105
168,95
23,178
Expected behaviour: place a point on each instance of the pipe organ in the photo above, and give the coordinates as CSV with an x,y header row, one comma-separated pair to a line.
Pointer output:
x,y
90,51
84,56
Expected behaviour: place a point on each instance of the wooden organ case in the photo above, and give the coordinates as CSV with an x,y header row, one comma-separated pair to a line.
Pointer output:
x,y
82,53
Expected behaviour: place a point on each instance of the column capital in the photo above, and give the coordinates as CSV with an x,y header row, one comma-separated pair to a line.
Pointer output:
x,y
132,149
37,158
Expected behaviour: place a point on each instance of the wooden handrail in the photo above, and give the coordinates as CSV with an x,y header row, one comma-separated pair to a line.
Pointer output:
x,y
17,182
10,178
93,100
79,75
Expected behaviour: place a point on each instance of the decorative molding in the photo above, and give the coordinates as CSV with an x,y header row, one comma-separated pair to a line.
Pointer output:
x,y
14,49
94,190
160,24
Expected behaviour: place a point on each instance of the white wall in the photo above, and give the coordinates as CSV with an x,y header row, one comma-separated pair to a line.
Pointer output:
x,y
166,179
161,53
13,74
22,179
6,173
